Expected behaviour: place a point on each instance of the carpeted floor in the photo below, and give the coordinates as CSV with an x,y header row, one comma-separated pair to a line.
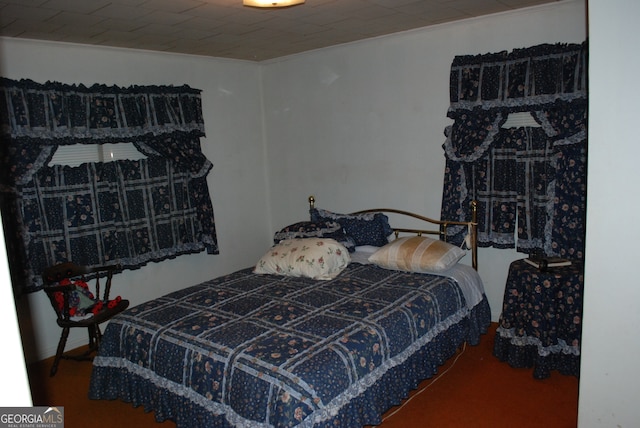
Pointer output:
x,y
473,389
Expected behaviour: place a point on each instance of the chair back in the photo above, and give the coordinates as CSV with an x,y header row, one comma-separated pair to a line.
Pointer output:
x,y
57,273
59,290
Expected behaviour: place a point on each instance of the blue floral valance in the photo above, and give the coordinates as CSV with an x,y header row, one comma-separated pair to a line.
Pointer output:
x,y
55,111
530,181
125,212
39,117
522,78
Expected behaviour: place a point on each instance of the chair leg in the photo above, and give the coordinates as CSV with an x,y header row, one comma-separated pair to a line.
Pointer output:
x,y
94,338
98,336
61,344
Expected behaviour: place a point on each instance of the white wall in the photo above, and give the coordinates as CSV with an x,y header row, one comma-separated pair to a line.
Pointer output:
x,y
232,115
361,125
13,370
610,374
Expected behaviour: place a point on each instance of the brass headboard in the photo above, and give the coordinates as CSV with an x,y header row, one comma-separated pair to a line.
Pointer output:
x,y
472,225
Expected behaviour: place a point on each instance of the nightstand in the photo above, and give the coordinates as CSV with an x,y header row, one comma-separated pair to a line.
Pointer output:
x,y
541,321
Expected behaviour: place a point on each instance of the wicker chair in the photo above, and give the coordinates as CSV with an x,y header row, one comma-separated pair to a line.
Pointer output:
x,y
75,305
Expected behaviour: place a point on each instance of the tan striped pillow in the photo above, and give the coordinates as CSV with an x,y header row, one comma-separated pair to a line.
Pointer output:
x,y
417,254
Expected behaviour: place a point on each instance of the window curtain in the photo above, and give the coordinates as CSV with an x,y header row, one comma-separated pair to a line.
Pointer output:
x,y
126,212
529,181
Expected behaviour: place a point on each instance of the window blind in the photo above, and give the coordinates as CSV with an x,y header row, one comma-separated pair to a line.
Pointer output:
x,y
77,154
522,119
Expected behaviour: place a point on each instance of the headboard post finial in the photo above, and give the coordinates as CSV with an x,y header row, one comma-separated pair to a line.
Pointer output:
x,y
474,210
312,201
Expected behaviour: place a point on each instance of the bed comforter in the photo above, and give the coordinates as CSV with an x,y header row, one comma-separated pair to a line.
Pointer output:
x,y
253,350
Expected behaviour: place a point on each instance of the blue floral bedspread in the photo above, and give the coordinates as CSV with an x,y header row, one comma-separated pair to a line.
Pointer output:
x,y
260,350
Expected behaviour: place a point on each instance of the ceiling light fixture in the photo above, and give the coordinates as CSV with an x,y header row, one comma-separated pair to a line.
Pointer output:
x,y
271,3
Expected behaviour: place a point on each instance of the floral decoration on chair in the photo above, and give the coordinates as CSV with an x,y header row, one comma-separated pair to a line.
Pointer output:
x,y
82,302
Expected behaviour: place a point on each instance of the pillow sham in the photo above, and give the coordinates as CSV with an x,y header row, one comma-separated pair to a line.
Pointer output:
x,y
309,229
365,229
316,258
315,229
417,254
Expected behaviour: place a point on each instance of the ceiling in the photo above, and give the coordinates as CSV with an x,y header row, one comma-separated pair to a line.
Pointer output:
x,y
225,28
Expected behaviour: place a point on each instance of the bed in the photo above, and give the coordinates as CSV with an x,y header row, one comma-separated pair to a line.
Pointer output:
x,y
329,340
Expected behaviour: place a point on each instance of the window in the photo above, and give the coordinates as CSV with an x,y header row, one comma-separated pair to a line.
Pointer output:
x,y
101,175
518,146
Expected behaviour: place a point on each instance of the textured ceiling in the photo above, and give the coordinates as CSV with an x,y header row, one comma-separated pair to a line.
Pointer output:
x,y
225,28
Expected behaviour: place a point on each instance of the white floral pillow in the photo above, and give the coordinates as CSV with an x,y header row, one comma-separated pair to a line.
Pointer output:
x,y
317,258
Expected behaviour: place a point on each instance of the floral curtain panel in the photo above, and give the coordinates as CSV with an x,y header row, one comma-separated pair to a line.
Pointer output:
x,y
530,181
126,212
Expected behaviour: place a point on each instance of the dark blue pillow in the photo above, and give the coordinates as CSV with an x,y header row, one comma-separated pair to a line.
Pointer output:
x,y
365,229
315,229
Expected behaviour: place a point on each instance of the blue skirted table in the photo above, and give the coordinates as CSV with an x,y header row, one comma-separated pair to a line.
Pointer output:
x,y
541,321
